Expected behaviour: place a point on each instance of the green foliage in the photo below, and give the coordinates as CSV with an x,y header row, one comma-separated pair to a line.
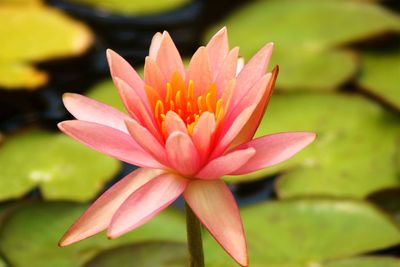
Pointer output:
x,y
380,76
36,33
307,34
30,235
61,167
353,154
134,7
148,254
365,262
302,232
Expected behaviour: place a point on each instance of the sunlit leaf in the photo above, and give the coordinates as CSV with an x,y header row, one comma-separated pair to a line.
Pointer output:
x,y
134,7
303,232
380,76
61,167
149,254
20,75
30,236
365,262
307,34
40,33
353,154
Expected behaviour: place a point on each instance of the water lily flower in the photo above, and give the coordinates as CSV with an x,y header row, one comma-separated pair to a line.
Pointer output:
x,y
185,129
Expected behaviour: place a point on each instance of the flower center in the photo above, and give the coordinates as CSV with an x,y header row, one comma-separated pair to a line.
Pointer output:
x,y
181,99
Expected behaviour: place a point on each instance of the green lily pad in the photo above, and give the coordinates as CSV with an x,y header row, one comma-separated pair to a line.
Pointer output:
x,y
380,76
365,262
307,232
22,2
21,75
149,254
353,154
61,167
106,92
307,34
30,236
389,201
135,7
51,34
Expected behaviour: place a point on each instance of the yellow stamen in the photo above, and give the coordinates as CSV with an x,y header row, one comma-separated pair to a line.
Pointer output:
x,y
159,109
169,93
190,94
178,99
208,102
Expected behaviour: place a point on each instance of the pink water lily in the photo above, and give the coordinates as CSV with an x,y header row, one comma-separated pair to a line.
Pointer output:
x,y
185,129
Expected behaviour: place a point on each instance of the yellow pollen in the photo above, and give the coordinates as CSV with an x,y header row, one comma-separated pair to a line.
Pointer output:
x,y
209,102
180,98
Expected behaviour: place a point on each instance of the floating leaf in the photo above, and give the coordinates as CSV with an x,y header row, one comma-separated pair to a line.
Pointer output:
x,y
365,262
61,167
389,201
149,254
22,2
303,232
380,76
306,34
107,93
42,224
40,33
20,75
353,154
134,7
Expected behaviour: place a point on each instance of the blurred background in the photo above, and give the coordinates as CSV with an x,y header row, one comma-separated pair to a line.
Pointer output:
x,y
336,204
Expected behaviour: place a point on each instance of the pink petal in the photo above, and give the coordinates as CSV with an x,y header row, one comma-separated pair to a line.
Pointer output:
x,y
119,67
98,217
253,96
146,202
252,72
182,153
203,133
218,48
168,58
137,109
155,45
200,71
174,123
226,164
273,149
240,65
109,141
228,69
147,141
154,77
248,131
214,205
86,109
233,129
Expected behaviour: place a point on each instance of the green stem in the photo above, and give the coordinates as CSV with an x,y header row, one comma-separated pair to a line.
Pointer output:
x,y
195,243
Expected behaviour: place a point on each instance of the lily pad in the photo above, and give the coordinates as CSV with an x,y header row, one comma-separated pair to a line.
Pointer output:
x,y
40,33
21,75
129,7
106,92
380,76
149,254
353,155
308,34
61,167
389,201
308,232
365,262
42,224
